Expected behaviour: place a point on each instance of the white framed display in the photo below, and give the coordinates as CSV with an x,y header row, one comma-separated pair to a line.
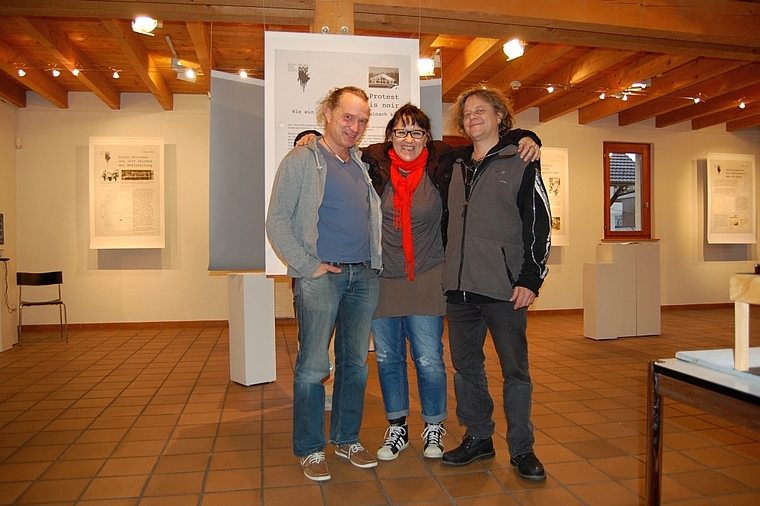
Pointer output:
x,y
554,170
731,202
127,193
301,68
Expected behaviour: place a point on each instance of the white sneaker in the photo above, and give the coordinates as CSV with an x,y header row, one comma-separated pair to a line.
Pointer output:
x,y
396,439
432,435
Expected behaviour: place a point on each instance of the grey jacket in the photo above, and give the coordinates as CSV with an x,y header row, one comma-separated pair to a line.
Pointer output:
x,y
293,214
500,236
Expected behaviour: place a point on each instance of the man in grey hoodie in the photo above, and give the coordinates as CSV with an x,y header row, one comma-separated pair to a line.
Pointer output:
x,y
324,222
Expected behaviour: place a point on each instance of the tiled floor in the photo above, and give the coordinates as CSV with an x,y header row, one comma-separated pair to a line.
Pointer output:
x,y
149,417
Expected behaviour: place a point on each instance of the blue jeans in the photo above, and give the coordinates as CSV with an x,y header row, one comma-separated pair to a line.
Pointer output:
x,y
467,333
345,301
424,333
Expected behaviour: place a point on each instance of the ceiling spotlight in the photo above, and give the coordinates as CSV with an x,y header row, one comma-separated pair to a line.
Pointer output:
x,y
515,85
145,25
625,98
426,66
602,96
697,100
550,88
190,74
75,72
116,74
55,72
742,105
243,74
21,72
514,49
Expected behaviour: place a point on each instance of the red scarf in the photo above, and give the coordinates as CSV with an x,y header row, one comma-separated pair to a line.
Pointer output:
x,y
404,188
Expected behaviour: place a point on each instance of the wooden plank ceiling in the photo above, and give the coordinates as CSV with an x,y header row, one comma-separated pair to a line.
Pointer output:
x,y
700,58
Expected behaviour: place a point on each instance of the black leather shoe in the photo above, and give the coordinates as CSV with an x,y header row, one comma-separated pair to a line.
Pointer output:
x,y
470,449
529,466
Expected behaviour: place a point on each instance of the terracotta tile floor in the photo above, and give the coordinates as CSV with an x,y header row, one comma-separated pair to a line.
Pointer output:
x,y
149,416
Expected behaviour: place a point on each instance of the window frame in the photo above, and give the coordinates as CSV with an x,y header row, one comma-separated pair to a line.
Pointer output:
x,y
645,150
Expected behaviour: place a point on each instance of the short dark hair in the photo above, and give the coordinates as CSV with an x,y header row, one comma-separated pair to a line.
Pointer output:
x,y
408,114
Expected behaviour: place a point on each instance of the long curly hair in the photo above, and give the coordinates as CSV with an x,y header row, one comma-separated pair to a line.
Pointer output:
x,y
500,103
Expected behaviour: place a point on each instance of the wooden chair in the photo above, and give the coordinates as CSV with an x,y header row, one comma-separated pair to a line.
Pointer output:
x,y
41,279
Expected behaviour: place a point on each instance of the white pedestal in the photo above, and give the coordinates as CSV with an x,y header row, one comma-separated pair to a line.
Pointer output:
x,y
252,344
621,291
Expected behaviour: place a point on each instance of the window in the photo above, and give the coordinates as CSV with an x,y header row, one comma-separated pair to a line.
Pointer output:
x,y
627,199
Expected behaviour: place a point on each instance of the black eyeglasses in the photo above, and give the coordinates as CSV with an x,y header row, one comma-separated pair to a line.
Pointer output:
x,y
416,134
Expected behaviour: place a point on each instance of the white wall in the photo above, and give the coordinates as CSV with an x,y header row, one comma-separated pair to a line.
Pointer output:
x,y
8,116
52,180
691,271
174,284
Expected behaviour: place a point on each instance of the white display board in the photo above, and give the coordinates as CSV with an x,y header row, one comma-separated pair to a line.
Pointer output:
x,y
301,68
731,203
554,172
126,179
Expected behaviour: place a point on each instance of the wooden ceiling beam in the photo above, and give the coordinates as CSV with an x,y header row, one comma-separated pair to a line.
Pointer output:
x,y
576,73
471,57
489,28
692,72
11,92
58,44
201,37
710,106
35,80
199,34
695,27
741,124
142,62
644,68
426,45
335,16
730,115
696,20
730,81
535,58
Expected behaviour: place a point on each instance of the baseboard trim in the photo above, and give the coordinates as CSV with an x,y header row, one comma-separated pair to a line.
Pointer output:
x,y
126,325
292,321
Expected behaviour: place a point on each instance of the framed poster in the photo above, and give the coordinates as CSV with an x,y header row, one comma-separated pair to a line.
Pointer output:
x,y
301,68
554,169
731,205
127,193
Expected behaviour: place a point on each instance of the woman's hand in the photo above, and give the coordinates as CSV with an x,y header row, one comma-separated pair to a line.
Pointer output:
x,y
303,141
528,149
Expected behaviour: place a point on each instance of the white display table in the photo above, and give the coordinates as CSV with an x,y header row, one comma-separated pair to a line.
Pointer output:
x,y
251,319
621,291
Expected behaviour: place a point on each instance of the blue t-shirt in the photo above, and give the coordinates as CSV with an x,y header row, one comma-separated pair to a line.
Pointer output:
x,y
343,225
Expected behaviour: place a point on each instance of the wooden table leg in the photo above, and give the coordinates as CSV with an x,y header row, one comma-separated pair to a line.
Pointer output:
x,y
654,440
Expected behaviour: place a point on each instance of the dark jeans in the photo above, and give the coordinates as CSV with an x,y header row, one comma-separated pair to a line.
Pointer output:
x,y
467,333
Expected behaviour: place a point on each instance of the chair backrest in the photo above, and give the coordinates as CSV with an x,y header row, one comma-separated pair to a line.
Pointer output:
x,y
39,278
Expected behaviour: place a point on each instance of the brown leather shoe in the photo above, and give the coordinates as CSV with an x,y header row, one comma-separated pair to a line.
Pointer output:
x,y
357,455
315,466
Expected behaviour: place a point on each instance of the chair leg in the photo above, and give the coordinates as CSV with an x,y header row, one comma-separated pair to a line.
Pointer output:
x,y
64,321
18,328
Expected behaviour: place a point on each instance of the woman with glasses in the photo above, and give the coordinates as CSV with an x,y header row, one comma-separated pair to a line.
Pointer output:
x,y
411,173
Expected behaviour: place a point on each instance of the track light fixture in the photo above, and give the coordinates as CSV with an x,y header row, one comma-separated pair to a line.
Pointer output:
x,y
145,25
515,48
426,67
